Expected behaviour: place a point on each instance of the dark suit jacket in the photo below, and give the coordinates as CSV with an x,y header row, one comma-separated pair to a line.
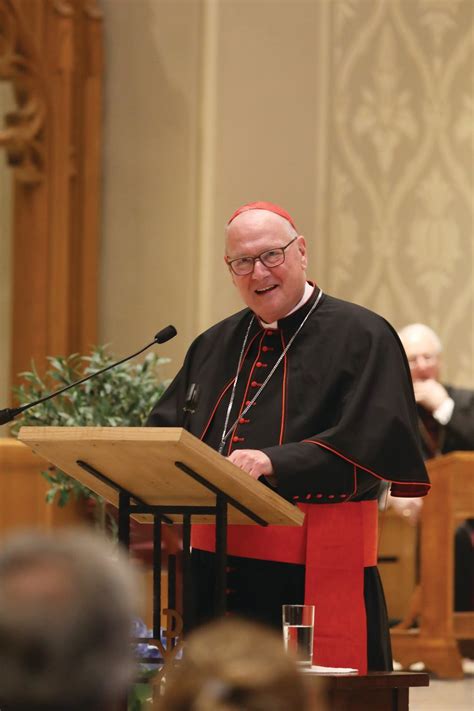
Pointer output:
x,y
458,434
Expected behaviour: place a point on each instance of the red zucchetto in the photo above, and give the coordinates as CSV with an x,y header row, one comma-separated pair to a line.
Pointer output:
x,y
262,205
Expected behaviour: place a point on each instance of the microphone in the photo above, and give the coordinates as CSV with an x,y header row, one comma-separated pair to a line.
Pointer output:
x,y
191,403
192,399
9,413
166,334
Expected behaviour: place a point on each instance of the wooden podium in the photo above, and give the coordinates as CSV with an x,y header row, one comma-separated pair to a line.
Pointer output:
x,y
169,475
450,501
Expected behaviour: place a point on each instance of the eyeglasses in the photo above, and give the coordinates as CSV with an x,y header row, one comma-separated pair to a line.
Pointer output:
x,y
428,358
270,258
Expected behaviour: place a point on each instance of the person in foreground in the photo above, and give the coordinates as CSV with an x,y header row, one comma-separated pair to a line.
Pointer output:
x,y
66,610
312,396
446,423
233,664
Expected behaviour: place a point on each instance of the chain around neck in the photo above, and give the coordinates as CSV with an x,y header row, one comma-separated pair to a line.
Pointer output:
x,y
227,432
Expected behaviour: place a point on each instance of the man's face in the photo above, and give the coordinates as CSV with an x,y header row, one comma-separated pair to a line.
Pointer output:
x,y
423,356
270,293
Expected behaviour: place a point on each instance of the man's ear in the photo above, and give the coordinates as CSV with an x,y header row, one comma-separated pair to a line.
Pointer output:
x,y
301,244
232,276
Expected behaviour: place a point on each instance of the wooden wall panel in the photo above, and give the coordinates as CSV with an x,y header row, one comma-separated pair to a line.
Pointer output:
x,y
87,181
22,493
51,52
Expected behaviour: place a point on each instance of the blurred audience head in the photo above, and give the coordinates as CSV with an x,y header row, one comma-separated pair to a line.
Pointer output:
x,y
66,607
423,348
235,665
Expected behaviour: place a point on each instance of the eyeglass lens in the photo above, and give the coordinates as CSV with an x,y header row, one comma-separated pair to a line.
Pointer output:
x,y
271,258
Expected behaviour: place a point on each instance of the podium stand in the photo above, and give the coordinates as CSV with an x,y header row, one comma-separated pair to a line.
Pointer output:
x,y
450,501
171,476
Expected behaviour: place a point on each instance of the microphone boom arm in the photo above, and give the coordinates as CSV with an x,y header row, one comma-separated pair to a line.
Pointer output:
x,y
9,413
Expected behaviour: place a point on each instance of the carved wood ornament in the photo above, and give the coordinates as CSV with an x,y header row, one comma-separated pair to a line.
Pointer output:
x,y
23,136
51,54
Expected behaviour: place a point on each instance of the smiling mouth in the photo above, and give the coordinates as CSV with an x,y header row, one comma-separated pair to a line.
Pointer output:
x,y
266,289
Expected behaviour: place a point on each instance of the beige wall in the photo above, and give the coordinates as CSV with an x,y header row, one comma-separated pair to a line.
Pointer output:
x,y
401,165
6,102
356,115
151,158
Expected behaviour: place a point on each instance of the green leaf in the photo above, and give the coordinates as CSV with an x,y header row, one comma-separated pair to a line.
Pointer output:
x,y
143,692
50,494
121,397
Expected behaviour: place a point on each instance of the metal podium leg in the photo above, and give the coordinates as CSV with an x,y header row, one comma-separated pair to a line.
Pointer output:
x,y
221,554
172,582
124,519
156,577
188,621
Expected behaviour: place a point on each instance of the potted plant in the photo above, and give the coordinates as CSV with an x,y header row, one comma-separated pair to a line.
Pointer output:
x,y
121,397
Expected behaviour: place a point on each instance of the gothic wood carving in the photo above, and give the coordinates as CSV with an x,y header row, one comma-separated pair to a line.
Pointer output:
x,y
23,135
51,53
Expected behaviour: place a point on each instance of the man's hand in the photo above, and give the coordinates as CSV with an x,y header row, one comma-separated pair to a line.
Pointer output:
x,y
252,461
429,394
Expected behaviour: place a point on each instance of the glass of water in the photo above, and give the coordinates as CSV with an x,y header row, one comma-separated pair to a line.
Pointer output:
x,y
298,631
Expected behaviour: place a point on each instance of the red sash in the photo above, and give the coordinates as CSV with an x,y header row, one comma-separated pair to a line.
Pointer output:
x,y
336,542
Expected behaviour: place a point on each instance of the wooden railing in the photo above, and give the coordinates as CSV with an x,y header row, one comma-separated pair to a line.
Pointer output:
x,y
435,641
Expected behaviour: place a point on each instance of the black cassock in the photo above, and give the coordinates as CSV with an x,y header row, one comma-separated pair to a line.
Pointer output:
x,y
336,418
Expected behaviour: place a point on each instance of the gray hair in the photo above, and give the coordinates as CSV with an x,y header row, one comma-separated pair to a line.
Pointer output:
x,y
66,607
415,329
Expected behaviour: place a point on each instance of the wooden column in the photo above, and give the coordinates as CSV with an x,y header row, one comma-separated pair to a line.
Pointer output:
x,y
51,52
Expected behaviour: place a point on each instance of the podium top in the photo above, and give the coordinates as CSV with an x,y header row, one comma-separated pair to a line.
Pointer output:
x,y
142,460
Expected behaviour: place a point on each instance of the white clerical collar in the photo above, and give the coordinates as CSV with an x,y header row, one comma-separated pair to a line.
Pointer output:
x,y
308,290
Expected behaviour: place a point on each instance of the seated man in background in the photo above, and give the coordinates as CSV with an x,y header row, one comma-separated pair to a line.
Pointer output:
x,y
446,423
236,664
446,414
66,609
